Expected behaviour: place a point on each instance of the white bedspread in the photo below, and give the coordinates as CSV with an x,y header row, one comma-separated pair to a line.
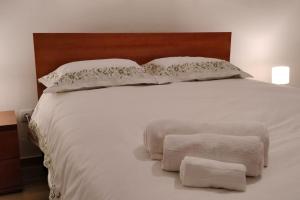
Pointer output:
x,y
95,138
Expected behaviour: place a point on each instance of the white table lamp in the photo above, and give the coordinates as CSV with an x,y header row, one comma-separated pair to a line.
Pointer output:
x,y
281,75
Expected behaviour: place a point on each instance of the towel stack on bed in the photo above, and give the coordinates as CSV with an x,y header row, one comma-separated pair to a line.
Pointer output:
x,y
209,154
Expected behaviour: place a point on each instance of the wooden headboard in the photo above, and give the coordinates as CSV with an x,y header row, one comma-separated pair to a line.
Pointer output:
x,y
55,49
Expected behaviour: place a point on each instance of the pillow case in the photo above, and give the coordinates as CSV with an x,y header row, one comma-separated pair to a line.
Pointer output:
x,y
175,69
94,74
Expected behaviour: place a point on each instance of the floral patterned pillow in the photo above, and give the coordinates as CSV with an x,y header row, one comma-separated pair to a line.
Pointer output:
x,y
94,74
175,69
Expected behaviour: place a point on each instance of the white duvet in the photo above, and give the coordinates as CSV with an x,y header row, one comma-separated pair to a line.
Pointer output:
x,y
94,138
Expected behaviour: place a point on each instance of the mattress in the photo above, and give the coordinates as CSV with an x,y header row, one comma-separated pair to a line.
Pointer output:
x,y
93,139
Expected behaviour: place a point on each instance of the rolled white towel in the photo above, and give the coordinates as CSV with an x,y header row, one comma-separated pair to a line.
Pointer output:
x,y
200,172
156,131
247,150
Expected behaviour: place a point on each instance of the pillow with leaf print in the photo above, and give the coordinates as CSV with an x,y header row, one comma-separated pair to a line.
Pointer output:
x,y
91,74
175,69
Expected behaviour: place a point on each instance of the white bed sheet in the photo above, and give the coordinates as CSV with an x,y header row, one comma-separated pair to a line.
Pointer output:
x,y
94,138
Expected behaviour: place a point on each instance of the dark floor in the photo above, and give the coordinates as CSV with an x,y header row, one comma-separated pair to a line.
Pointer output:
x,y
34,191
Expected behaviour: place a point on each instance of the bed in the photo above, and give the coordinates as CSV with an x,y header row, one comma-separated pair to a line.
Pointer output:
x,y
93,139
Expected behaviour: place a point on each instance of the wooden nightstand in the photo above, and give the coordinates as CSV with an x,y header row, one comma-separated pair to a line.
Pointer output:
x,y
10,169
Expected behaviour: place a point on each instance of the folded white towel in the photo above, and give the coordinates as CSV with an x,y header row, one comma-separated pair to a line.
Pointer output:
x,y
156,131
247,150
200,172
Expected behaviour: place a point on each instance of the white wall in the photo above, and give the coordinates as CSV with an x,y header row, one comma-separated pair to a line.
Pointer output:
x,y
265,33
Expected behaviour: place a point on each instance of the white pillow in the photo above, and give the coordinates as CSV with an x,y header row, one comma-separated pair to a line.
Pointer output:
x,y
175,69
94,74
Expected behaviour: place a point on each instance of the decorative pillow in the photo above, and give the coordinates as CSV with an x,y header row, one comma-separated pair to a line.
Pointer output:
x,y
94,74
175,69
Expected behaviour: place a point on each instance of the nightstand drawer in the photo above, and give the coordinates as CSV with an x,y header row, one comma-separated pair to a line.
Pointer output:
x,y
9,147
10,175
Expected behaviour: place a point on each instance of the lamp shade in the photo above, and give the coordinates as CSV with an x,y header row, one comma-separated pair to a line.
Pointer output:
x,y
281,75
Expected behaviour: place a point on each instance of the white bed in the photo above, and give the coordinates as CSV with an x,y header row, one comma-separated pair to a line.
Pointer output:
x,y
93,139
